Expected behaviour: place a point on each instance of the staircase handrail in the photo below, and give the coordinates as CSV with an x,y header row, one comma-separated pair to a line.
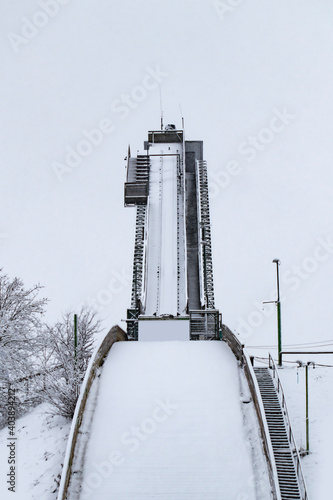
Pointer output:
x,y
291,437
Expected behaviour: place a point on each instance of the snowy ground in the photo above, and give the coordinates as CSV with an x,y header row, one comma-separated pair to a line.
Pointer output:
x,y
316,464
40,449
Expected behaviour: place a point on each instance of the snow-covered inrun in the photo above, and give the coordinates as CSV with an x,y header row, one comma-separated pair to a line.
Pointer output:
x,y
169,421
163,285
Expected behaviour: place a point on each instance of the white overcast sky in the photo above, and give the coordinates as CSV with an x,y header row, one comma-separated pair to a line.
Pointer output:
x,y
231,71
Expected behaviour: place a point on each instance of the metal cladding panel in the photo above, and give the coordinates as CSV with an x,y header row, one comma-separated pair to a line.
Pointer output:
x,y
131,170
157,330
160,136
193,152
195,147
136,193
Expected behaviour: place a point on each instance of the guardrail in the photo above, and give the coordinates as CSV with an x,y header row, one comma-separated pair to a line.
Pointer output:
x,y
116,334
233,342
292,440
242,356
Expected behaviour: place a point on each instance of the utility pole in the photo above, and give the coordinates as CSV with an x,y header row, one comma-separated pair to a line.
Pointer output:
x,y
278,305
307,405
75,356
75,339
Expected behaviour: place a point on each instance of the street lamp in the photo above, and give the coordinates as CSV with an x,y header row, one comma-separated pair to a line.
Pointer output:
x,y
278,305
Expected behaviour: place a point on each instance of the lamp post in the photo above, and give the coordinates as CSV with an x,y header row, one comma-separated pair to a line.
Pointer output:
x,y
278,305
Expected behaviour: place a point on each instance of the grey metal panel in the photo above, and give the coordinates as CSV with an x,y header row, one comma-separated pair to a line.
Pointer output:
x,y
131,170
192,243
196,147
136,193
159,136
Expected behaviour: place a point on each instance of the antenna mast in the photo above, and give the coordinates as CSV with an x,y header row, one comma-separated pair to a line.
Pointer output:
x,y
181,114
161,108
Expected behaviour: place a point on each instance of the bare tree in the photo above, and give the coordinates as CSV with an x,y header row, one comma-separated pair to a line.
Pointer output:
x,y
21,314
65,365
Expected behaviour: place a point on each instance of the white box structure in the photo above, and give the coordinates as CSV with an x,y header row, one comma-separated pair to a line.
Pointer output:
x,y
157,330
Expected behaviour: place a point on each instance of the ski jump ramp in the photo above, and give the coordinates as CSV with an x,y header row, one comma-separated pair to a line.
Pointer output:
x,y
169,420
168,416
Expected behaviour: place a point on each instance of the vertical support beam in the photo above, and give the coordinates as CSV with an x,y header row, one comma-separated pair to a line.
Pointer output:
x,y
75,339
278,304
307,407
279,333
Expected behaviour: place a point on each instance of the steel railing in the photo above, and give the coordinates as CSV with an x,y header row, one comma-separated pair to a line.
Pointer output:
x,y
291,437
204,322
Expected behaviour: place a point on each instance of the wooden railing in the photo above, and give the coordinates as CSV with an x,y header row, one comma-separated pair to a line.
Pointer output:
x,y
233,342
242,356
116,334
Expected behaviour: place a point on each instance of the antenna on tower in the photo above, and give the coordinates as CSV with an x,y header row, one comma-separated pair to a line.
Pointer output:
x,y
161,108
181,114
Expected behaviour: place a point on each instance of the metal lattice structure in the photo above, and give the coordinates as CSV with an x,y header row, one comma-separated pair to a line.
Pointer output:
x,y
138,260
206,239
172,265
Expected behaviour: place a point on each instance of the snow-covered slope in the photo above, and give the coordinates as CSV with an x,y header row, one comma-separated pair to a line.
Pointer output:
x,y
168,423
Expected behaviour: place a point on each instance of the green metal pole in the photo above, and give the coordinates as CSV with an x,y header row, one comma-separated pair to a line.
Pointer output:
x,y
278,304
279,333
307,407
75,338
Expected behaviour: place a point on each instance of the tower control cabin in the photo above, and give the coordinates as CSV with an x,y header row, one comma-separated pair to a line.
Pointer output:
x,y
173,288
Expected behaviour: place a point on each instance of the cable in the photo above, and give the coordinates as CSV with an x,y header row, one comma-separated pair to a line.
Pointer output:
x,y
322,343
294,362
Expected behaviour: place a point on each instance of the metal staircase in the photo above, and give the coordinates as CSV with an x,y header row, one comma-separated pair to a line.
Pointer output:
x,y
138,265
206,241
284,448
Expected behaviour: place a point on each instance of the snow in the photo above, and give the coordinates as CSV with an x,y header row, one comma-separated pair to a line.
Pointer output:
x,y
317,465
171,426
40,450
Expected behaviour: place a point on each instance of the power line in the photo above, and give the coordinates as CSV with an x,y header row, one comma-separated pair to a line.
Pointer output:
x,y
294,362
322,343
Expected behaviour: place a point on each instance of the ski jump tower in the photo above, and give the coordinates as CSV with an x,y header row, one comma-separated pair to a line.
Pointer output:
x,y
173,287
